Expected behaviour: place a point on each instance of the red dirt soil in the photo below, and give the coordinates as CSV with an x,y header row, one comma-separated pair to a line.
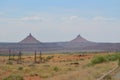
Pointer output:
x,y
32,78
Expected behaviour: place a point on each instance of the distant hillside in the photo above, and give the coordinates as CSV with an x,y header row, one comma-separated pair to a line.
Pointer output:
x,y
76,45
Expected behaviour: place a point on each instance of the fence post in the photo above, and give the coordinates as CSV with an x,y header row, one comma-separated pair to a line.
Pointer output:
x,y
19,57
40,56
9,54
35,57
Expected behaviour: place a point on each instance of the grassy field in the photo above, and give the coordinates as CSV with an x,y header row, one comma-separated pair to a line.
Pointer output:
x,y
74,66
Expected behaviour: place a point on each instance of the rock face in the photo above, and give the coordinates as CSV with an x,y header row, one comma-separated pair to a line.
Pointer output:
x,y
29,39
79,38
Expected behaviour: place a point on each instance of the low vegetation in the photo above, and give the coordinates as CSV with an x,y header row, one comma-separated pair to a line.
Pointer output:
x,y
14,77
58,67
105,58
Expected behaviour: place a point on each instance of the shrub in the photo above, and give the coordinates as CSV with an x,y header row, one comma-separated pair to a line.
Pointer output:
x,y
14,77
98,59
111,57
56,68
49,57
9,62
106,58
20,68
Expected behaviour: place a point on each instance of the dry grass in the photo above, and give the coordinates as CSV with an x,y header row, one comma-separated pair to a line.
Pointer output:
x,y
57,67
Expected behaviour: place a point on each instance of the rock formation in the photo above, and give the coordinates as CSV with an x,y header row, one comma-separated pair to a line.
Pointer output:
x,y
30,39
79,38
79,44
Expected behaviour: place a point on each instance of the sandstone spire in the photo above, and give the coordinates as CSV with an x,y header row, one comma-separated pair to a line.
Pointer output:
x,y
30,39
79,38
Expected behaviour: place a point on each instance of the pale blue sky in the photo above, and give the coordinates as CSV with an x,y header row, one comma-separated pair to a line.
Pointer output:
x,y
60,20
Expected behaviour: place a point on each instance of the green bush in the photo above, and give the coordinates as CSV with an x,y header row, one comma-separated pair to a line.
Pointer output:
x,y
20,68
98,59
48,58
111,57
106,58
14,77
56,68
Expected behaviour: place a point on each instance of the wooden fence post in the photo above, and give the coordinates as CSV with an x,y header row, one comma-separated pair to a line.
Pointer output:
x,y
9,54
35,57
40,56
19,57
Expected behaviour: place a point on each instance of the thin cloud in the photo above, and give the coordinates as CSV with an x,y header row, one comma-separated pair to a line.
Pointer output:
x,y
32,18
73,18
78,18
26,18
101,18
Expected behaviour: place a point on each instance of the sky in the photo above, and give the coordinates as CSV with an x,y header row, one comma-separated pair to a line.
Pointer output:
x,y
60,20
